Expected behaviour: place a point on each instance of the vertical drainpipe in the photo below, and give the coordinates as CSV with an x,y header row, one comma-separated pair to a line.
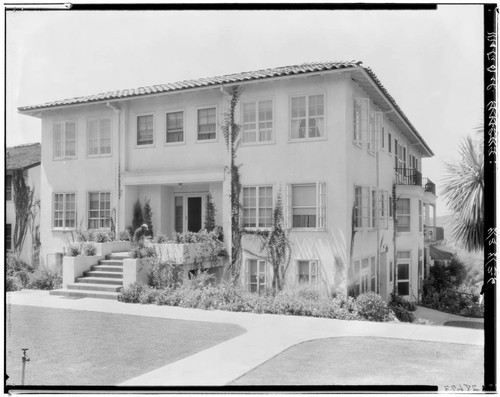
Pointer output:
x,y
377,264
117,112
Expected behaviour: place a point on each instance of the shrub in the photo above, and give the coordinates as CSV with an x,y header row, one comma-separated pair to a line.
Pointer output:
x,y
372,308
15,264
143,252
12,284
198,281
74,249
164,275
23,277
89,249
161,238
401,313
137,219
101,237
84,236
46,278
132,293
124,236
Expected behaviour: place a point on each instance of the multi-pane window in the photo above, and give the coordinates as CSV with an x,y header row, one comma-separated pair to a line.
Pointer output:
x,y
206,124
308,116
179,214
308,207
361,119
420,217
373,275
364,275
375,131
403,268
361,207
382,209
8,236
175,127
64,210
99,137
403,215
257,121
356,276
258,206
145,130
308,272
257,271
99,210
8,187
64,140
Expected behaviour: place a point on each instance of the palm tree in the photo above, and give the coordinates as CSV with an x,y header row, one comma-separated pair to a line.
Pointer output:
x,y
463,193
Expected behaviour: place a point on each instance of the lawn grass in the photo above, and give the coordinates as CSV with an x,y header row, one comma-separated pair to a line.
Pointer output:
x,y
465,324
371,361
76,348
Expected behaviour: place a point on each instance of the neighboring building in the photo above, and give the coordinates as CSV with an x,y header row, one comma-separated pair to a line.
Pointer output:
x,y
26,159
328,136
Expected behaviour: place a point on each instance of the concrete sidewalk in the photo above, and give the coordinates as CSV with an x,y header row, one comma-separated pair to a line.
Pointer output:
x,y
267,335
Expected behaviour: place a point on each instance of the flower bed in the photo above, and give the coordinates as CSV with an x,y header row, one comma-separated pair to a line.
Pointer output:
x,y
228,297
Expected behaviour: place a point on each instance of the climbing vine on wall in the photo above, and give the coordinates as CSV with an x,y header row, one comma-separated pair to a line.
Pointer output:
x,y
231,131
23,203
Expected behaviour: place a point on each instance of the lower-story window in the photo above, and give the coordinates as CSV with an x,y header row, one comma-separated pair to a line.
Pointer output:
x,y
8,236
403,279
99,210
64,210
257,270
308,272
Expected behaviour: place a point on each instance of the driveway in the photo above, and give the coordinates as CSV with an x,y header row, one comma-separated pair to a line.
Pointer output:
x,y
267,335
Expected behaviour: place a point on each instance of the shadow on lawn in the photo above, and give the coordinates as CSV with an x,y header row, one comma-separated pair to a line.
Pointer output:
x,y
465,324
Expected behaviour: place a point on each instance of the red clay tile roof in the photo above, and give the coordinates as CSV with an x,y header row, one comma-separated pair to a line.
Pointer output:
x,y
310,67
198,83
23,156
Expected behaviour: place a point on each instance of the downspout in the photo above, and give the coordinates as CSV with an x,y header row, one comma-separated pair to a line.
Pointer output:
x,y
117,111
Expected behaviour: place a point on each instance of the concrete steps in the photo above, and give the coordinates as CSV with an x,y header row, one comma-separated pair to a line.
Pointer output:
x,y
103,281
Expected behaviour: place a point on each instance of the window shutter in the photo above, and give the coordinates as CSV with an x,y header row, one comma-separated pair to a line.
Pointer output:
x,y
365,199
321,205
377,132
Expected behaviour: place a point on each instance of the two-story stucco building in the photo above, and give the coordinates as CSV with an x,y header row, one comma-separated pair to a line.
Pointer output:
x,y
328,136
24,159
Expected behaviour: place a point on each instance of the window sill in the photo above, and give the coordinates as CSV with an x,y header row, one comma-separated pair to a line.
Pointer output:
x,y
180,143
63,229
149,146
207,140
64,158
262,143
308,229
298,140
97,156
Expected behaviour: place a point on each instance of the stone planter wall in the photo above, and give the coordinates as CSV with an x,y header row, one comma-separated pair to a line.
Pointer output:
x,y
103,249
135,270
182,254
74,266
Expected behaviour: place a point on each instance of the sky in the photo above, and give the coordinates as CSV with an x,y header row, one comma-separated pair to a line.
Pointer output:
x,y
429,61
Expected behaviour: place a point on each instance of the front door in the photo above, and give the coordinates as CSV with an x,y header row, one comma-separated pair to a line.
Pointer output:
x,y
194,214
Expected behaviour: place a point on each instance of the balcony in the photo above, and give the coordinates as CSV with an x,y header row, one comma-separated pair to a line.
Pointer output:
x,y
408,176
429,186
433,234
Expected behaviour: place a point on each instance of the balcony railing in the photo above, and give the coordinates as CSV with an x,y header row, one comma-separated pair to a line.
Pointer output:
x,y
429,186
408,176
433,234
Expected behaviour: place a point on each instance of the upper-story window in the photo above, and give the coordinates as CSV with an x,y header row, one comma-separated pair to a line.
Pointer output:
x,y
64,210
207,122
64,140
99,210
8,187
258,206
145,130
389,142
257,121
175,127
361,120
361,207
403,215
99,137
307,206
308,116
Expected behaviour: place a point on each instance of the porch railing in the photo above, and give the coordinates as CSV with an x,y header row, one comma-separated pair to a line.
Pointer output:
x,y
433,234
408,176
429,186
